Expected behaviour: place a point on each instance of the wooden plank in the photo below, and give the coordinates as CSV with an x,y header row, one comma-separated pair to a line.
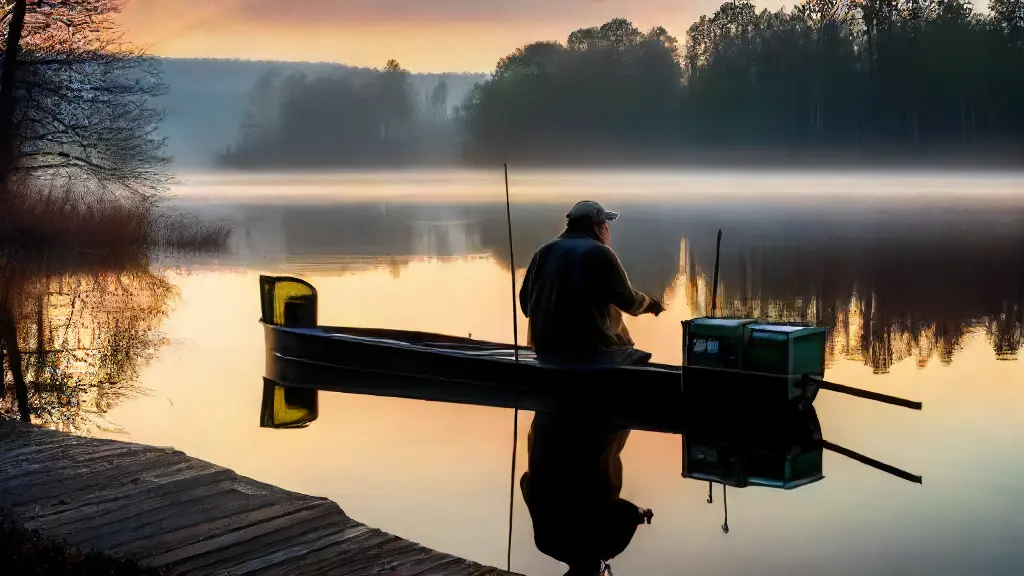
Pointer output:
x,y
171,518
353,553
384,558
63,500
247,549
342,554
61,462
57,468
90,482
435,563
309,542
479,570
70,455
72,467
92,517
43,449
38,446
20,435
163,481
223,533
129,498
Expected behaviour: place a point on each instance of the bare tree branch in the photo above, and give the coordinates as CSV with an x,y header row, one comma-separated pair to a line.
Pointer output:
x,y
84,102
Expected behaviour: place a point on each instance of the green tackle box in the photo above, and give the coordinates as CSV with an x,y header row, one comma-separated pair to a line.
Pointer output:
x,y
715,342
787,350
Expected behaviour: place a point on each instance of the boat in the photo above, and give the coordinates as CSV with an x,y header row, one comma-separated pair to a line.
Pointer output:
x,y
739,428
711,382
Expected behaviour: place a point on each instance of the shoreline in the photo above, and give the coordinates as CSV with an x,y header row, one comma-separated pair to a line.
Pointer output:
x,y
768,159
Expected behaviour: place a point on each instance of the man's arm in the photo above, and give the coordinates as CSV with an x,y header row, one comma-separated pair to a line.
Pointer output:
x,y
525,289
620,291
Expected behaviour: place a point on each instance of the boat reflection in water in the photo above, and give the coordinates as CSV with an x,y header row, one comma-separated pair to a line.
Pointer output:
x,y
574,474
787,456
572,487
288,406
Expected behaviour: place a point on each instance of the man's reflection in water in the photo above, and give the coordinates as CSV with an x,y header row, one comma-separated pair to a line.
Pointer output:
x,y
572,487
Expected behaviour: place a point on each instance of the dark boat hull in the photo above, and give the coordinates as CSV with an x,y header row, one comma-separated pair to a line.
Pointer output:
x,y
432,366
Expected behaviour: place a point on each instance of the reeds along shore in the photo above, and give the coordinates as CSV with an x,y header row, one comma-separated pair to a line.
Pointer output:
x,y
76,285
66,221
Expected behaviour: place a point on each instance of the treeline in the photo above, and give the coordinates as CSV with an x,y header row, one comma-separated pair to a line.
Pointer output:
x,y
872,75
356,118
904,72
882,79
206,99
607,87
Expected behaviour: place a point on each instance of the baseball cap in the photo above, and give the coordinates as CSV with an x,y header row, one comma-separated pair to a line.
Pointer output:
x,y
592,210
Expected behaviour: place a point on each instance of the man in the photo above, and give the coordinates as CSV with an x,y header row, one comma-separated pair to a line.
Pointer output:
x,y
575,292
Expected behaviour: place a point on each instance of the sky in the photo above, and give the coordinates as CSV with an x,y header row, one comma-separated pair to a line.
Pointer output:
x,y
423,35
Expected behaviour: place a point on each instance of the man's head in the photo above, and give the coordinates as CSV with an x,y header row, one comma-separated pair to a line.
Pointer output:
x,y
591,218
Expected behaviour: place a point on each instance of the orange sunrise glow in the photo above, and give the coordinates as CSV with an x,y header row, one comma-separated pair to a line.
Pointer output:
x,y
424,35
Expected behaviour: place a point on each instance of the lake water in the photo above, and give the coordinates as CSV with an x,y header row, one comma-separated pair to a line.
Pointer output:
x,y
920,278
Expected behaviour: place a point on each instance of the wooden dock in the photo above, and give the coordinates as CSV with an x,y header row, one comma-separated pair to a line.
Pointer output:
x,y
166,510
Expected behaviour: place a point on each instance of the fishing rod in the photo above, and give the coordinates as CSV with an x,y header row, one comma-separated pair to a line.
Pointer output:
x,y
714,285
515,354
714,307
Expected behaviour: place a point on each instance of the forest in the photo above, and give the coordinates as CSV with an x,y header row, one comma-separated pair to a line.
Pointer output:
x,y
356,117
875,78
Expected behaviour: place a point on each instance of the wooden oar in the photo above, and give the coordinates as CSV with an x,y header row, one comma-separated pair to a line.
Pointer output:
x,y
851,391
876,464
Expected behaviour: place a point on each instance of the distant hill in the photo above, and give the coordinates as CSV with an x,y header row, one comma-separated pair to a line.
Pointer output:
x,y
207,98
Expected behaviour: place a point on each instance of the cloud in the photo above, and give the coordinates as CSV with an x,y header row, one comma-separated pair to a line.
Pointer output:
x,y
382,11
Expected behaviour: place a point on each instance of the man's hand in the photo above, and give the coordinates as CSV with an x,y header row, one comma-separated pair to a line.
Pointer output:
x,y
656,307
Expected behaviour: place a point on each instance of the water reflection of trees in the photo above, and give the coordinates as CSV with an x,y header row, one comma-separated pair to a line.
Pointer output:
x,y
82,336
1006,333
884,299
361,235
892,280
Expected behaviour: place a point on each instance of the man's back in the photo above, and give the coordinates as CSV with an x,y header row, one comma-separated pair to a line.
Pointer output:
x,y
573,292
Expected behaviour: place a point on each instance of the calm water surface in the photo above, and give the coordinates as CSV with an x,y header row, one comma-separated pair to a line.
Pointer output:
x,y
919,277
